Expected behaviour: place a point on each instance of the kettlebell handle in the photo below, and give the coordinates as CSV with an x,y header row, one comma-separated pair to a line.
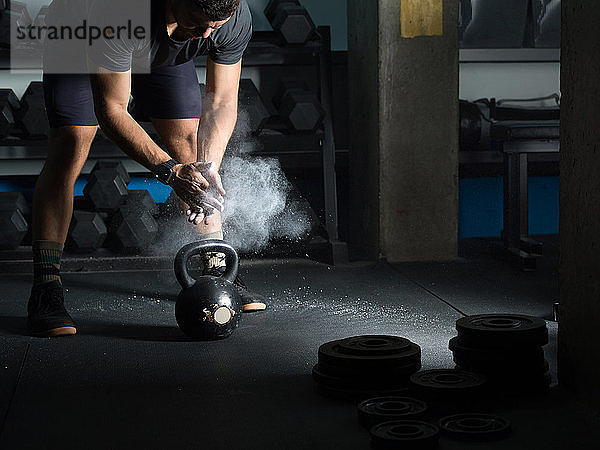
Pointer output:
x,y
210,245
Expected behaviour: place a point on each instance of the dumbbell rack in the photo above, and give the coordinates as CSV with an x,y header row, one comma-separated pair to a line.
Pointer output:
x,y
25,157
265,48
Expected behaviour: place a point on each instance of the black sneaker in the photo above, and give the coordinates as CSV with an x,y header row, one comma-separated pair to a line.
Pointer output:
x,y
251,301
46,313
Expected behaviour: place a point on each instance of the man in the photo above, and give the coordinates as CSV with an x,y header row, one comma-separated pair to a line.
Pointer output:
x,y
195,135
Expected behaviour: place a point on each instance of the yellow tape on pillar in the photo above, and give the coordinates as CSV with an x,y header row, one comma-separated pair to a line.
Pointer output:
x,y
421,18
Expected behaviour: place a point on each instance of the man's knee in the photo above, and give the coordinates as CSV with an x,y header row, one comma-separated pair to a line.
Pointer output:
x,y
75,137
189,149
68,148
183,145
180,137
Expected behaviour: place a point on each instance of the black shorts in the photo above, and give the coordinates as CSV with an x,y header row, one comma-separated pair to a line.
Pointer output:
x,y
169,92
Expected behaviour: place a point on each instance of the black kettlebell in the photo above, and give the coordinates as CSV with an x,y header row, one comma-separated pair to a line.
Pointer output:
x,y
208,307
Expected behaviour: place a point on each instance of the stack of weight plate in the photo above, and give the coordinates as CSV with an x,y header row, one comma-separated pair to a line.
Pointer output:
x,y
449,389
361,367
507,348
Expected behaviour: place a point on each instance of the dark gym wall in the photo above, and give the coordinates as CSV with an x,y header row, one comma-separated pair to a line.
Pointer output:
x,y
579,270
403,130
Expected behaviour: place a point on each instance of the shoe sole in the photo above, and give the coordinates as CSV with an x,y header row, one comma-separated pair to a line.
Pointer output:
x,y
54,332
251,307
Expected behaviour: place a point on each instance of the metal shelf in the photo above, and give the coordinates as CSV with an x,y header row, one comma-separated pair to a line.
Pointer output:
x,y
294,151
509,55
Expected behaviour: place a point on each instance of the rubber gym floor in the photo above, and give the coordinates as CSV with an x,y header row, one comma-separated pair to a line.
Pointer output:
x,y
130,380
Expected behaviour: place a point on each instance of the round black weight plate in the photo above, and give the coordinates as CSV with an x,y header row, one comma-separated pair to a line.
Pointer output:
x,y
382,409
405,434
475,427
448,379
373,345
441,383
533,355
402,370
357,382
501,330
357,394
383,352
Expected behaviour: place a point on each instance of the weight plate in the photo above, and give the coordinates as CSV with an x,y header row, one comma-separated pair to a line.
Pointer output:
x,y
373,345
501,330
475,427
356,352
357,394
413,434
403,371
511,359
519,353
382,409
440,383
360,383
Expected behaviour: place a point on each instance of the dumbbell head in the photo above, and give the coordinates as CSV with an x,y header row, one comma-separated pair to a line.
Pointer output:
x,y
15,200
13,14
293,23
140,200
108,164
272,6
8,96
9,105
105,190
7,119
132,227
13,226
301,110
132,231
35,89
171,207
288,84
87,231
32,116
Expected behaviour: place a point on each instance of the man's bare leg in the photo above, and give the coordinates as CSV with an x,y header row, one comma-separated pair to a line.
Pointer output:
x,y
68,148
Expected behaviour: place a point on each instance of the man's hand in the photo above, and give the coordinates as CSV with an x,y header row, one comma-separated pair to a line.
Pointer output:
x,y
199,185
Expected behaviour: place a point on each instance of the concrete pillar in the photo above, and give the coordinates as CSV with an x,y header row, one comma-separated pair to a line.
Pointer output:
x,y
579,265
403,110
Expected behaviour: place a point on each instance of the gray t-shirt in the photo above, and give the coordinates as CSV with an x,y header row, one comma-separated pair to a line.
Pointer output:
x,y
154,49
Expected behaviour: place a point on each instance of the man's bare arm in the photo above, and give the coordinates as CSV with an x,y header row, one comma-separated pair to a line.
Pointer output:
x,y
219,115
111,96
111,92
219,112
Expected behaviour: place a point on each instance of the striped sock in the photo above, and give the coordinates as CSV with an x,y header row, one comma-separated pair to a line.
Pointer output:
x,y
46,261
213,259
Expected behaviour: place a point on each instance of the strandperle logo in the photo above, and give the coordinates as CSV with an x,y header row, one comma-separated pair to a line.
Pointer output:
x,y
85,32
67,36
